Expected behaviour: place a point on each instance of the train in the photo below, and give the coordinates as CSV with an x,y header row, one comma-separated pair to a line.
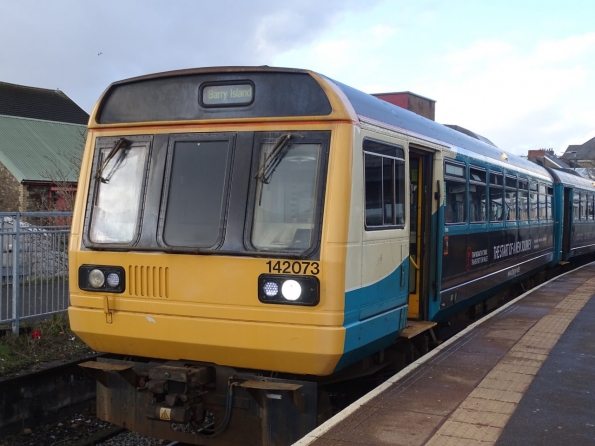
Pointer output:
x,y
244,237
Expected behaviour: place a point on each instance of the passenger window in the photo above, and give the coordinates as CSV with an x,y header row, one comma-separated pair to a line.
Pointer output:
x,y
496,197
582,207
590,208
477,195
511,198
575,205
523,200
550,194
533,202
542,202
384,176
456,193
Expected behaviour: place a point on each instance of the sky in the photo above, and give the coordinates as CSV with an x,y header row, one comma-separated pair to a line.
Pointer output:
x,y
519,72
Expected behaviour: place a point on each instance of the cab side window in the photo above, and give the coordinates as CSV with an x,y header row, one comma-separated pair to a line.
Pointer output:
x,y
384,176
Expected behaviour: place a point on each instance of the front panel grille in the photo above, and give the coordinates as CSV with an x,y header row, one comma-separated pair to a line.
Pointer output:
x,y
148,281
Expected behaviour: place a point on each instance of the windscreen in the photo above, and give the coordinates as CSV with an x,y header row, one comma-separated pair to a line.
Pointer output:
x,y
117,199
196,196
286,197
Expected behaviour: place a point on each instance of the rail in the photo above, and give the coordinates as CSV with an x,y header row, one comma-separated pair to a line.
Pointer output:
x,y
34,265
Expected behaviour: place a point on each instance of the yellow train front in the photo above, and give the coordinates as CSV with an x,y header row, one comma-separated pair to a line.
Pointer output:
x,y
223,251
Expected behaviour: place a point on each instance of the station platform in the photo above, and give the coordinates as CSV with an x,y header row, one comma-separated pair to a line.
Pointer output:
x,y
523,375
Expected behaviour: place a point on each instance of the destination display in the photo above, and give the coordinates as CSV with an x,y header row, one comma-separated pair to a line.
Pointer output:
x,y
227,95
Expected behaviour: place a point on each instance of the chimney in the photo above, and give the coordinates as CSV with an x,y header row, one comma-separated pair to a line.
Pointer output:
x,y
410,101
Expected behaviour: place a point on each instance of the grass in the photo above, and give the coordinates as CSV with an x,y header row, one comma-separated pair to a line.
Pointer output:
x,y
27,352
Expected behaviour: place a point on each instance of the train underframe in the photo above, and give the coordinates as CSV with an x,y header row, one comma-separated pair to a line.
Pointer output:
x,y
206,404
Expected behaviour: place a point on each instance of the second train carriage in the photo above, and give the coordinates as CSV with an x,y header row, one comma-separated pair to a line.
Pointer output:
x,y
241,232
575,213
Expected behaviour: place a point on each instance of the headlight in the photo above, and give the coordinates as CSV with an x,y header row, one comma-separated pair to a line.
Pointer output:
x,y
271,289
113,280
96,278
109,279
289,290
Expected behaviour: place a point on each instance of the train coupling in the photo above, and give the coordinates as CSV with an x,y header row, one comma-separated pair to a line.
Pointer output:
x,y
177,392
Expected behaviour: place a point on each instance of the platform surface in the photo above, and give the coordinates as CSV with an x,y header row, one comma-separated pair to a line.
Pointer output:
x,y
523,376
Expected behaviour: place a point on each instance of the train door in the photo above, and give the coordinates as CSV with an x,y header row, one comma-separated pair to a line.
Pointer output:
x,y
420,177
568,226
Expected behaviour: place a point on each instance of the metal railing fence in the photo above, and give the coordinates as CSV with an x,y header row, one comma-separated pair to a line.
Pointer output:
x,y
34,266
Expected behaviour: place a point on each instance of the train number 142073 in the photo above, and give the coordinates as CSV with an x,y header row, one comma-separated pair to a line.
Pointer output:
x,y
287,267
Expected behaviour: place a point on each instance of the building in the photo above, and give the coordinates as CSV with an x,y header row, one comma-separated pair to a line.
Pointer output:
x,y
410,101
42,136
547,158
582,155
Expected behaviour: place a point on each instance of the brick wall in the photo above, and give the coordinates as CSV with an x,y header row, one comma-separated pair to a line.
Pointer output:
x,y
17,197
10,191
35,198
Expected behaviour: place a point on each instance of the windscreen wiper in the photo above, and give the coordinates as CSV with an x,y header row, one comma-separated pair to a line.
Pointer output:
x,y
278,152
110,155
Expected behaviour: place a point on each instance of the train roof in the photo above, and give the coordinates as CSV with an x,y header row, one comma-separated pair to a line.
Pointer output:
x,y
572,179
368,106
173,96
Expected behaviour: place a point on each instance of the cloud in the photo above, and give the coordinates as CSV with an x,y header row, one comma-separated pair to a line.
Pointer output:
x,y
495,89
56,44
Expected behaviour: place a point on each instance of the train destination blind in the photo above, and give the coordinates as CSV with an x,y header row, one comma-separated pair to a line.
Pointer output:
x,y
227,95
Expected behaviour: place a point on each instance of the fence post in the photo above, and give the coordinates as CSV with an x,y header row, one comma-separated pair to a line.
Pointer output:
x,y
16,307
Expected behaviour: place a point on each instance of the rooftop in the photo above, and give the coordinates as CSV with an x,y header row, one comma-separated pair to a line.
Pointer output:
x,y
36,150
39,103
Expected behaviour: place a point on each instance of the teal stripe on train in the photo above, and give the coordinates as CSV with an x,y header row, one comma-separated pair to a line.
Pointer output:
x,y
375,315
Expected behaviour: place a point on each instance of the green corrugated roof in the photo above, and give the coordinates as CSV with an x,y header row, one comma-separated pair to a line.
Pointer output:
x,y
34,150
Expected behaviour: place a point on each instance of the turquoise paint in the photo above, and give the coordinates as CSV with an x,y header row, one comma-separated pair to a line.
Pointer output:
x,y
435,273
375,315
367,337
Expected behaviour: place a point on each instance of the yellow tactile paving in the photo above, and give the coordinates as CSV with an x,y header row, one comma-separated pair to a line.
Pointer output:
x,y
504,385
470,431
514,377
472,416
480,418
526,355
497,395
513,368
515,360
444,440
489,406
